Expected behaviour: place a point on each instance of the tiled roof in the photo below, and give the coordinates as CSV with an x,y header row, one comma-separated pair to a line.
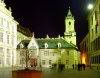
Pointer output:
x,y
53,43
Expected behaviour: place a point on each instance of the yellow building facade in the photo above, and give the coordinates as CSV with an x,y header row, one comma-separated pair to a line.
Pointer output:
x,y
94,36
70,34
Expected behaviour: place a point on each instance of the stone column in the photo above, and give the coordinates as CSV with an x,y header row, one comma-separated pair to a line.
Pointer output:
x,y
11,57
5,56
15,54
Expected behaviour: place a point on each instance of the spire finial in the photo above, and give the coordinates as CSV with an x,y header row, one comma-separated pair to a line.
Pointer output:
x,y
33,34
47,36
10,9
69,7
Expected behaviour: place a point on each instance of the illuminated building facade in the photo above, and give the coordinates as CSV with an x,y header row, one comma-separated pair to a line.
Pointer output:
x,y
54,50
94,35
93,45
70,34
48,51
8,36
84,49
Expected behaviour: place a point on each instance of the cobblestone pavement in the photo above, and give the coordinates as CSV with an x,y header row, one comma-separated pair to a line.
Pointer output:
x,y
48,73
5,73
70,73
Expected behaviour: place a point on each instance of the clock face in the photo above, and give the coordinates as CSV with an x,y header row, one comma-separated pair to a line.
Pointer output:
x,y
69,26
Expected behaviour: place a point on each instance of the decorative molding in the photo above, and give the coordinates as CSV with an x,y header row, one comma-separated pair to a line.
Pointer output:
x,y
7,32
1,29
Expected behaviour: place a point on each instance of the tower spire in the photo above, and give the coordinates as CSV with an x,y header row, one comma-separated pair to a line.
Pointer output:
x,y
69,15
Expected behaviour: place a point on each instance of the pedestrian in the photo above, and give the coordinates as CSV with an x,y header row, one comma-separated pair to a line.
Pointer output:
x,y
78,67
52,67
84,67
55,65
73,66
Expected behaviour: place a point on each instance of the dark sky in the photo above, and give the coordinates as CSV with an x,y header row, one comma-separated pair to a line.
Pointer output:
x,y
47,16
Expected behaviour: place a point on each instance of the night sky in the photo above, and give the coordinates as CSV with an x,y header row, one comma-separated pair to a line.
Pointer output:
x,y
47,16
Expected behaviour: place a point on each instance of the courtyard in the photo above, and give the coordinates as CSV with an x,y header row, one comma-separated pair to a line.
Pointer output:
x,y
49,73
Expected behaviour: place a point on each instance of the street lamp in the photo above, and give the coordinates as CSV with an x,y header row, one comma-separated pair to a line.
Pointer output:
x,y
90,6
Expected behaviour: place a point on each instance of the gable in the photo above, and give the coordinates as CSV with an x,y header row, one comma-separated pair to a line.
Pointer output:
x,y
24,43
33,44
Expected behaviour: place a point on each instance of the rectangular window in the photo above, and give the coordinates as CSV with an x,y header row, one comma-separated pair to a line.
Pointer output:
x,y
12,28
12,61
8,61
1,50
67,53
1,37
59,53
8,39
21,61
22,53
32,53
99,58
96,20
46,53
92,33
12,41
92,20
91,61
49,62
43,62
12,53
7,24
8,51
67,61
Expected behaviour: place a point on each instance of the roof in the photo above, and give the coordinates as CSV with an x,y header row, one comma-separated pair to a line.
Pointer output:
x,y
69,15
24,30
53,43
24,42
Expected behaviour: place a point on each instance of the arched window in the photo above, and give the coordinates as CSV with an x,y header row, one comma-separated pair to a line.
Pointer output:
x,y
69,23
59,45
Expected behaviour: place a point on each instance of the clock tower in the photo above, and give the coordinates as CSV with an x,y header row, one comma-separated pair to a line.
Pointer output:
x,y
70,34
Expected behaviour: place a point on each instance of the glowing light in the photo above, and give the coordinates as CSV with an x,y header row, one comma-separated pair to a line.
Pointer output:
x,y
83,60
90,6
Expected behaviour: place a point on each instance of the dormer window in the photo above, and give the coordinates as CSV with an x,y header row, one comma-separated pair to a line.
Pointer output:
x,y
59,45
21,46
46,45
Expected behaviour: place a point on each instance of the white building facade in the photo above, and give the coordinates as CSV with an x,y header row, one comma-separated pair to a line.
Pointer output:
x,y
8,36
